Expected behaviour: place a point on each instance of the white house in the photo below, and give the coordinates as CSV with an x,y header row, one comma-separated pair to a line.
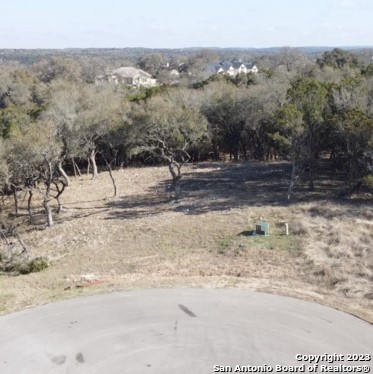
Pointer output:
x,y
130,76
253,69
233,68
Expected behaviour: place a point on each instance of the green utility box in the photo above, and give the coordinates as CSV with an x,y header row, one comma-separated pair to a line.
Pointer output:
x,y
262,228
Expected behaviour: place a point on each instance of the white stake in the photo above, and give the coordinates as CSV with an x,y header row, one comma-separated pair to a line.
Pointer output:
x,y
286,229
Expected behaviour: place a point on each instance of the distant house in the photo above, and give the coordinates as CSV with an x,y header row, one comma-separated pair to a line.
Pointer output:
x,y
233,68
174,73
130,76
173,77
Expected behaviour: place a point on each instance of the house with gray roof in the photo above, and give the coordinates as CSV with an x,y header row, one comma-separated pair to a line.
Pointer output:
x,y
233,68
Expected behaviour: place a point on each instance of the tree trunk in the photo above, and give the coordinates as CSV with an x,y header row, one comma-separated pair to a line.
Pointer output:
x,y
63,173
92,159
172,170
15,196
76,167
349,178
59,209
311,185
216,153
176,176
313,156
48,182
236,154
59,193
108,164
21,242
177,188
292,179
30,194
48,212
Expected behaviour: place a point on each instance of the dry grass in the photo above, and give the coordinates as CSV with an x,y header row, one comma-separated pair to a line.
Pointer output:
x,y
338,245
143,239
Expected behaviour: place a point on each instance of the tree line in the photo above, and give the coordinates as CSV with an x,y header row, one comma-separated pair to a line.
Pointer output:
x,y
56,120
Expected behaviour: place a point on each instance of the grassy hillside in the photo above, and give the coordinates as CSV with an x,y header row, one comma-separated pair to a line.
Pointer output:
x,y
143,239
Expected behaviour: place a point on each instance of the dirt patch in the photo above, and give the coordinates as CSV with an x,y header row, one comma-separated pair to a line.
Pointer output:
x,y
144,239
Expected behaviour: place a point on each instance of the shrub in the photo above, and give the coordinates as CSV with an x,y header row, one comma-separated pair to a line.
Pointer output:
x,y
26,267
368,179
38,264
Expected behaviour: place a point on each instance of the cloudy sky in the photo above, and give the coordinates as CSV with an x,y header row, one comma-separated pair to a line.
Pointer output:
x,y
191,23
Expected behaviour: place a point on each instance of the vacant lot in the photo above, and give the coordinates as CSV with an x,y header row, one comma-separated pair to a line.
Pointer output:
x,y
143,239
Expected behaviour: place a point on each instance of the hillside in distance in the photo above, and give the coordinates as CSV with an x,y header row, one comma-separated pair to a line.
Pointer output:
x,y
31,56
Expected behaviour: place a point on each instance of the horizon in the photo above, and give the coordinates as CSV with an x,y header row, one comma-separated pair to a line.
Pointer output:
x,y
317,47
165,25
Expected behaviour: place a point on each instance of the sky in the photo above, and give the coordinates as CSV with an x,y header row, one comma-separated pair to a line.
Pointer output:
x,y
188,23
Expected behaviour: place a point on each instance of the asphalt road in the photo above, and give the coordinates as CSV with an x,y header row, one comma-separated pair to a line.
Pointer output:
x,y
181,331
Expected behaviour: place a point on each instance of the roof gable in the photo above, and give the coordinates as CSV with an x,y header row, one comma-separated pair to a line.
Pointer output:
x,y
130,72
